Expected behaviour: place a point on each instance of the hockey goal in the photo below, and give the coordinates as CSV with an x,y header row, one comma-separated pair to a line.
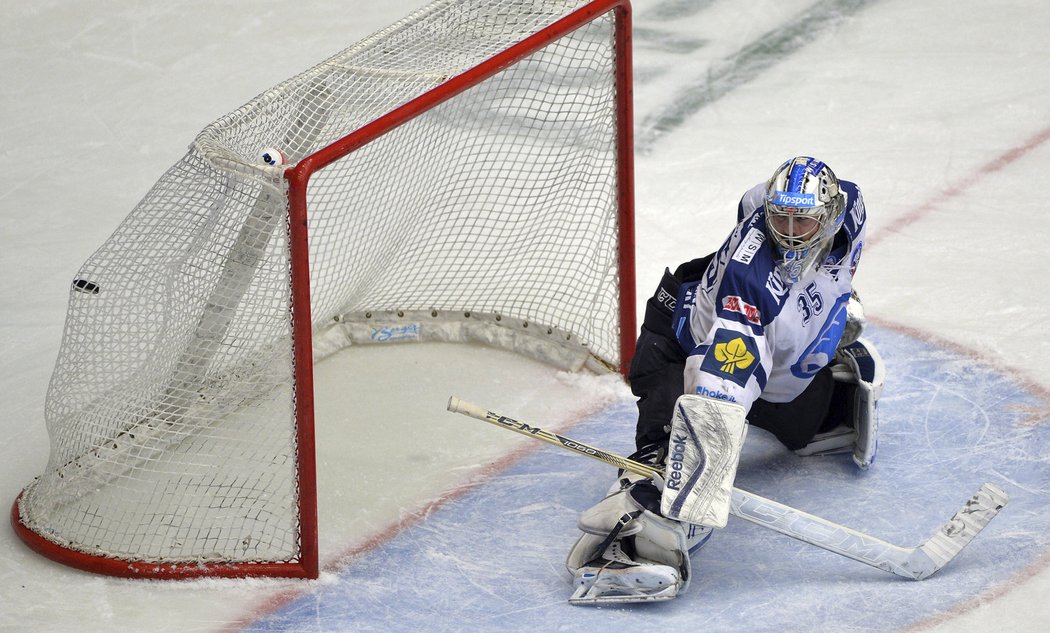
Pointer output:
x,y
463,175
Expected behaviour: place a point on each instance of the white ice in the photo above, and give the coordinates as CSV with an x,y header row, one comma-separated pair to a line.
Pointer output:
x,y
940,110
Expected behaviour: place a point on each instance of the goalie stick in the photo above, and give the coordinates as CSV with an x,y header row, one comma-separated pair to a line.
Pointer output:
x,y
916,563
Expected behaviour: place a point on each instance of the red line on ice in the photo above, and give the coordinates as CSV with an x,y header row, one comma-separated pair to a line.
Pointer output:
x,y
997,164
345,558
957,188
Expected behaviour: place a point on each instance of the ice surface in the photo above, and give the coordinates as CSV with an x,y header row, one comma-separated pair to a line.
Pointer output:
x,y
940,110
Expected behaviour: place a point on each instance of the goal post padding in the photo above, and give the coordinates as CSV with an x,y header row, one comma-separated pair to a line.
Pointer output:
x,y
464,175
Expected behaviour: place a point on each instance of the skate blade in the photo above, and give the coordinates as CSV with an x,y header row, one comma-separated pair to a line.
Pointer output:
x,y
589,596
622,586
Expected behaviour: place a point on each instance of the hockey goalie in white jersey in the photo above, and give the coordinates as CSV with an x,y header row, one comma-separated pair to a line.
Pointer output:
x,y
764,332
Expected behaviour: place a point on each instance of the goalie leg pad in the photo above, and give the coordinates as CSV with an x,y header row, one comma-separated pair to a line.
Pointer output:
x,y
870,374
860,371
628,552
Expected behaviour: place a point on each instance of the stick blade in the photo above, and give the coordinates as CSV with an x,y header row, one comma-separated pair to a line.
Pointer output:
x,y
957,533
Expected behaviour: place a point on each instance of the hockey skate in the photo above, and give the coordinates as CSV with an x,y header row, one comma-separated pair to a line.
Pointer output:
x,y
615,577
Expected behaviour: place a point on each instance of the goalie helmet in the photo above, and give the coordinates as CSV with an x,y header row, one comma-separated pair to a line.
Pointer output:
x,y
804,209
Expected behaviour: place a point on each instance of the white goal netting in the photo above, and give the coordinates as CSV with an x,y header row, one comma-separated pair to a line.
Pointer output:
x,y
172,410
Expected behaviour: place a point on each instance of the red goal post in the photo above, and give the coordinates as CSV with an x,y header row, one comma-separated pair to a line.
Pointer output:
x,y
484,193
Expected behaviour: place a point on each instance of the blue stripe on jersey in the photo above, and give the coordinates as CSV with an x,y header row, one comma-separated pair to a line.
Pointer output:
x,y
680,319
821,351
761,377
854,217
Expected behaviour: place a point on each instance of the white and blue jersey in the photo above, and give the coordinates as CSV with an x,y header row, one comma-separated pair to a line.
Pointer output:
x,y
748,332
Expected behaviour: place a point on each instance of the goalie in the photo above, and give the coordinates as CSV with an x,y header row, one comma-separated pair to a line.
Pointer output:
x,y
764,332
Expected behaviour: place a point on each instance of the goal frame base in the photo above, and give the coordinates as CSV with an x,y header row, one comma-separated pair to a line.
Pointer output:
x,y
179,570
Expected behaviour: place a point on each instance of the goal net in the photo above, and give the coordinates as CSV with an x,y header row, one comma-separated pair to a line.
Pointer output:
x,y
463,175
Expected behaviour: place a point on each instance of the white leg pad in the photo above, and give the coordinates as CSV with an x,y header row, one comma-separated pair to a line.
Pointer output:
x,y
858,364
870,374
646,560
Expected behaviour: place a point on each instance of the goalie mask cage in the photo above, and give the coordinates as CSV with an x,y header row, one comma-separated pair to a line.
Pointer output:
x,y
464,175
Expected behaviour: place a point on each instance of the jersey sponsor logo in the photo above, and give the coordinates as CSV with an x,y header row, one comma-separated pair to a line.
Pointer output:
x,y
732,356
713,393
788,199
748,248
856,211
776,285
738,305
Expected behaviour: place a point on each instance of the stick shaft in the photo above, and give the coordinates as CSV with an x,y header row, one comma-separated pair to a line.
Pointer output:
x,y
456,405
915,563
